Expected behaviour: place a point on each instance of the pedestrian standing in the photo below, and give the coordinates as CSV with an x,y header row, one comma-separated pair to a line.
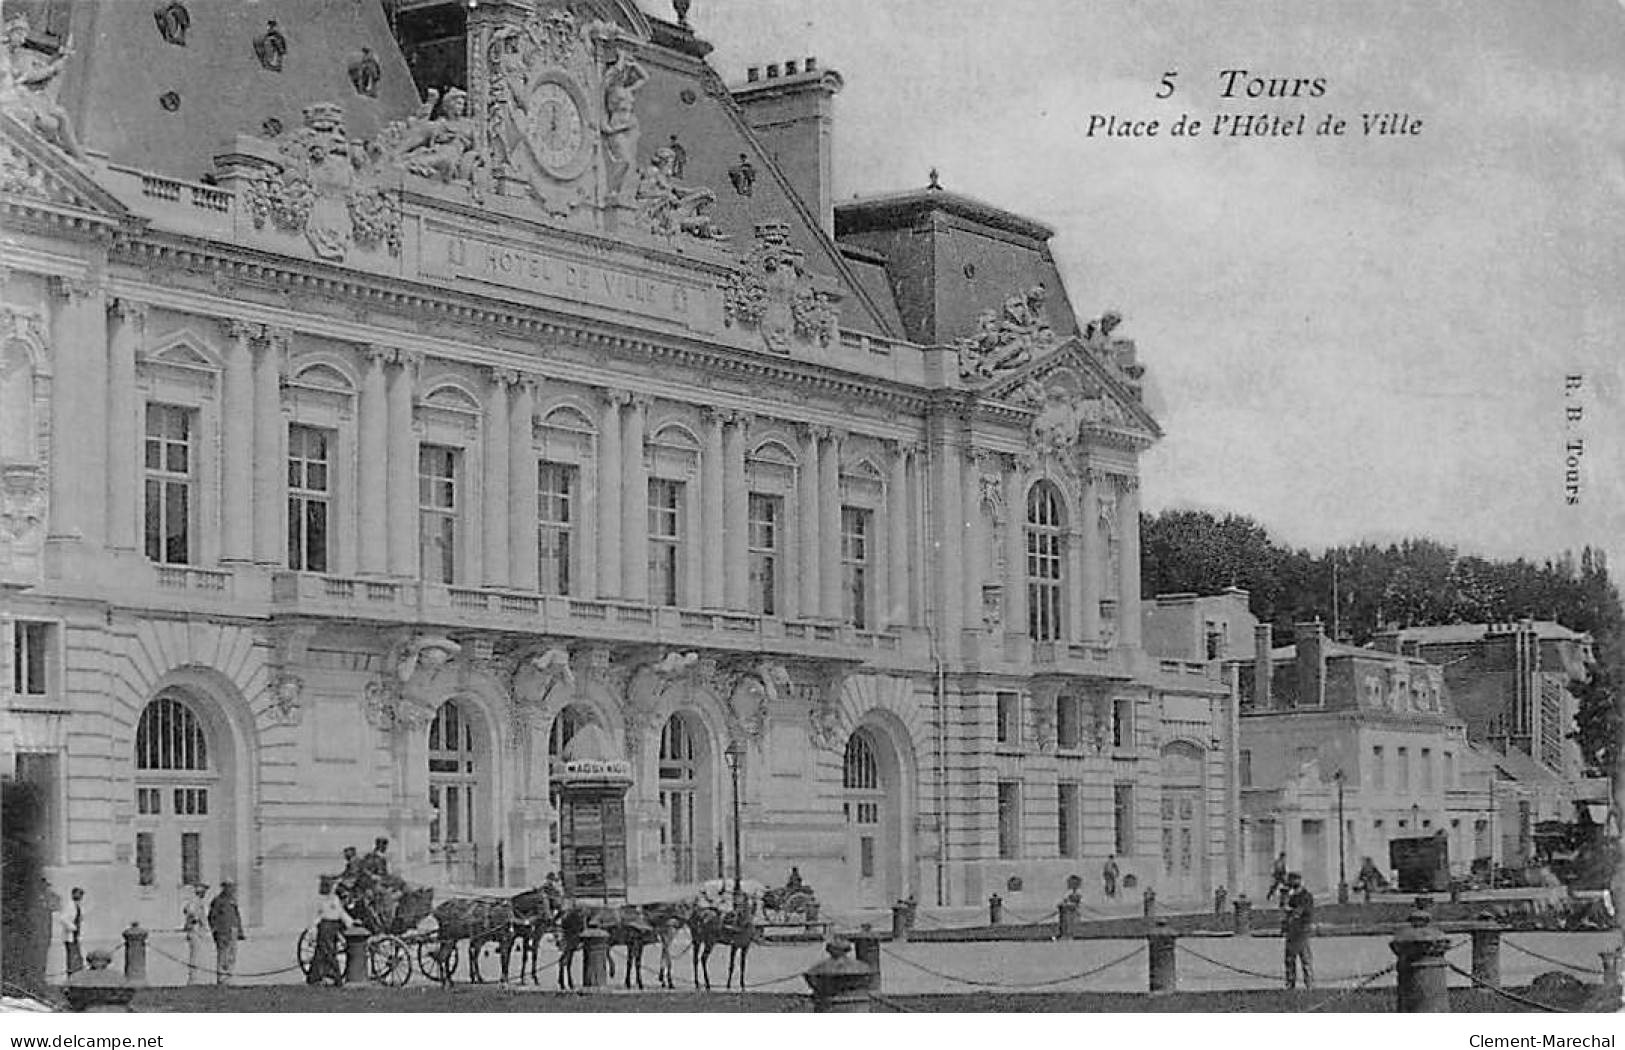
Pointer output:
x,y
1108,876
226,923
1277,879
73,931
331,922
195,921
1297,927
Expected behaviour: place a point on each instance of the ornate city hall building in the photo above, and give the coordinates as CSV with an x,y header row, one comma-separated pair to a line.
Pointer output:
x,y
388,392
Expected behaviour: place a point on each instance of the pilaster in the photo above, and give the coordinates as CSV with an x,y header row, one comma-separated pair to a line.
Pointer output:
x,y
124,430
520,489
829,524
497,503
713,467
270,501
897,533
634,504
373,472
610,483
810,547
403,468
78,411
735,504
237,504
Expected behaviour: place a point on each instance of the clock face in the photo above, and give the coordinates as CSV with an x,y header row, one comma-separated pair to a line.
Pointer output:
x,y
558,128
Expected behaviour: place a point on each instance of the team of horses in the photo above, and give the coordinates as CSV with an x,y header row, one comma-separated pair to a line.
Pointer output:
x,y
527,918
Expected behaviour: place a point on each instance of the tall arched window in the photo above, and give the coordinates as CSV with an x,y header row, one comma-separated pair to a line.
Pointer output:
x,y
173,779
453,777
679,784
1045,529
860,776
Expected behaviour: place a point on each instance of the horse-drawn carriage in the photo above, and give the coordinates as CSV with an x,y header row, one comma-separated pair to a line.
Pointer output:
x,y
392,921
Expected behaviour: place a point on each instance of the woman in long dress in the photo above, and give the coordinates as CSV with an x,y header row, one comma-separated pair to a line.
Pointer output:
x,y
195,921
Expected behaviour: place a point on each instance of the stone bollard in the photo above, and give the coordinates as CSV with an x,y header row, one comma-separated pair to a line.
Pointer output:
x,y
995,910
356,974
1164,973
135,954
1244,916
594,958
1419,949
901,921
1150,901
1487,950
866,949
98,989
1067,918
1221,900
839,984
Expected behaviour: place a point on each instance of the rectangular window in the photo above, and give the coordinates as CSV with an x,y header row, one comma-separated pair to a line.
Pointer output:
x,y
555,524
1068,735
765,516
1427,769
1379,769
1402,759
191,802
191,858
309,495
866,856
855,523
1009,818
665,541
1007,719
1215,635
145,871
1246,771
169,479
1123,819
1449,770
1044,560
148,801
1122,724
437,512
30,656
1066,820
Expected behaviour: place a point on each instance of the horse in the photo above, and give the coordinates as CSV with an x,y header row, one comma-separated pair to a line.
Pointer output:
x,y
666,920
479,922
535,915
711,925
625,925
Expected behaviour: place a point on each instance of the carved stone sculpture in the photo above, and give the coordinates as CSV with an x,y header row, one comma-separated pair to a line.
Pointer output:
x,y
437,143
622,79
173,21
772,292
743,176
28,85
365,73
1006,338
270,47
670,208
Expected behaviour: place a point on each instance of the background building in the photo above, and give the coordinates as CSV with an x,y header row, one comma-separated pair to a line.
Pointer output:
x,y
360,451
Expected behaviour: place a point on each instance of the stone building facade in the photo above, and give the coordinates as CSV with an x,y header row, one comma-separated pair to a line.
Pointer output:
x,y
358,451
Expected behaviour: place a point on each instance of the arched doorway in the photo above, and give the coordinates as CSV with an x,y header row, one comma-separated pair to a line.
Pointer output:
x,y
182,802
686,820
1184,823
872,805
460,801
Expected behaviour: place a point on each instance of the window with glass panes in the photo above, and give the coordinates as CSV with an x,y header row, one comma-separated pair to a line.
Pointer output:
x,y
453,777
309,496
555,524
30,655
855,524
169,478
665,540
1009,819
1067,812
437,512
1068,718
765,515
1044,531
1123,819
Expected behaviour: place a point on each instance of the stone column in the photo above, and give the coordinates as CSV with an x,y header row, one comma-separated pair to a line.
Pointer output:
x,y
950,543
919,544
1015,550
808,522
237,502
897,560
403,469
635,506
521,486
1090,561
975,532
713,467
270,464
496,502
735,512
374,466
78,412
610,483
124,427
829,525
1128,583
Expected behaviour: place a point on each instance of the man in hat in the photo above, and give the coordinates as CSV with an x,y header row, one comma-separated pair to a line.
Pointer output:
x,y
1297,926
226,923
72,922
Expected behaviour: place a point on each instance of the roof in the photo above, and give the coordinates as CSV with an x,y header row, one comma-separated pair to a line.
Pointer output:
x,y
1516,766
1331,648
890,210
1458,633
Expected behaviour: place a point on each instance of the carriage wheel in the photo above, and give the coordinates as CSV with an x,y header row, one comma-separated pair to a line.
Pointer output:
x,y
305,950
429,963
799,903
388,960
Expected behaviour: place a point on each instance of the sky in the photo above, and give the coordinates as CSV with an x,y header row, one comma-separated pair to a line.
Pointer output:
x,y
1347,338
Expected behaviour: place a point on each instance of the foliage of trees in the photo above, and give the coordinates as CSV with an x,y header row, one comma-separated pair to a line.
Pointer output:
x,y
1362,589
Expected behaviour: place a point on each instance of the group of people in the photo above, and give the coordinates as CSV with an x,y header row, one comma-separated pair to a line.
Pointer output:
x,y
218,921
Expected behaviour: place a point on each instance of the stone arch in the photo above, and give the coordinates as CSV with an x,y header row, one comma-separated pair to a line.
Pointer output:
x,y
568,413
775,448
465,785
451,393
326,371
891,696
879,806
674,433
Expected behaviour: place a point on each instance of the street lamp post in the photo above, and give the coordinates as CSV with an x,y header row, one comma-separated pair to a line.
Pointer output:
x,y
735,754
1342,867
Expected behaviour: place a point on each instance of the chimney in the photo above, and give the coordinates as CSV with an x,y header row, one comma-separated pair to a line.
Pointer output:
x,y
792,117
1311,644
1263,666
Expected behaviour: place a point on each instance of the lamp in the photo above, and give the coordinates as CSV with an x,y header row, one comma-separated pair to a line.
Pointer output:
x,y
1342,869
735,754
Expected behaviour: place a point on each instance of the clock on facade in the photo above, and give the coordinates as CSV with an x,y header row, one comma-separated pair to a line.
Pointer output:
x,y
558,128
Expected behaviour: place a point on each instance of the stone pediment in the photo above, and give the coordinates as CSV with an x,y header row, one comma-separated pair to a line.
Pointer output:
x,y
31,167
1075,390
